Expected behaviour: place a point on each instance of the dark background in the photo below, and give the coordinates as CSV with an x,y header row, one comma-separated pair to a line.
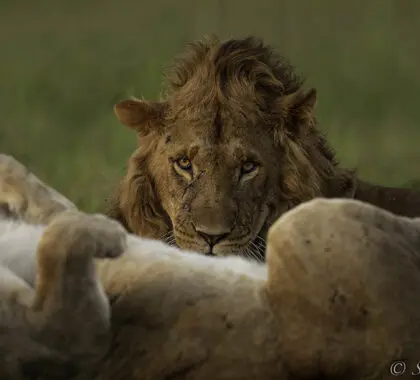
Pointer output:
x,y
63,64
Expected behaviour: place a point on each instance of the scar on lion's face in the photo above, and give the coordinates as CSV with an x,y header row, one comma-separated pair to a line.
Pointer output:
x,y
216,184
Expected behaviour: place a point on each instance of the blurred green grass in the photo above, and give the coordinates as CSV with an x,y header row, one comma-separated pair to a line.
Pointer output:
x,y
64,64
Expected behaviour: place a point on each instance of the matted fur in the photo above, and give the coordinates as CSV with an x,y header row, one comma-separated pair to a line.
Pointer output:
x,y
226,103
335,300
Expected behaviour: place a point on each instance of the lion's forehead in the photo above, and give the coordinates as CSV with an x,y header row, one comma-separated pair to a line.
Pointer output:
x,y
201,140
200,97
228,118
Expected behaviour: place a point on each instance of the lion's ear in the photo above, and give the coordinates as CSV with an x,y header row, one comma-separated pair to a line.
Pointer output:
x,y
298,109
140,115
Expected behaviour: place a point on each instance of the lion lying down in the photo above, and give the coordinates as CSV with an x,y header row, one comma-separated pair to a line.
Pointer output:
x,y
336,299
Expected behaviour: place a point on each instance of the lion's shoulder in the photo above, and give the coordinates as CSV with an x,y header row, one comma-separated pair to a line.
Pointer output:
x,y
401,201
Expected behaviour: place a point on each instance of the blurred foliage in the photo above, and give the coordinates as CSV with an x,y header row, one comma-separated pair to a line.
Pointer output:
x,y
65,63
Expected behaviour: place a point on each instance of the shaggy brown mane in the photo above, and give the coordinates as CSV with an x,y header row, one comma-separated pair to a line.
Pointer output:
x,y
231,66
244,69
246,77
136,204
242,89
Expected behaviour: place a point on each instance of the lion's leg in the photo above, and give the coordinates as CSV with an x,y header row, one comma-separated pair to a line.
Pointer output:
x,y
344,280
24,196
70,308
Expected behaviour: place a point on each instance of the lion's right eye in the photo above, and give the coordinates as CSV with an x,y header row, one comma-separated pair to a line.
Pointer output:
x,y
184,163
248,167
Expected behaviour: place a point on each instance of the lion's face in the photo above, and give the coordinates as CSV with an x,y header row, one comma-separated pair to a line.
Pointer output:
x,y
230,149
218,190
217,179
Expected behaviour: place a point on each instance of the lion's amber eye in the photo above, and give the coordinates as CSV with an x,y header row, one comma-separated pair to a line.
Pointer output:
x,y
248,167
184,163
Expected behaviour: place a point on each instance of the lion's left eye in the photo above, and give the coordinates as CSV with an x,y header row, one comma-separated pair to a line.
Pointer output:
x,y
248,167
184,163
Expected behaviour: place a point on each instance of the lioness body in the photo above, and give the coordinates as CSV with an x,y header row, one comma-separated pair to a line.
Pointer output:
x,y
336,299
54,315
232,146
177,325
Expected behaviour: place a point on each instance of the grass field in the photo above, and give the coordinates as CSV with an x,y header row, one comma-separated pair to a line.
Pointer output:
x,y
65,63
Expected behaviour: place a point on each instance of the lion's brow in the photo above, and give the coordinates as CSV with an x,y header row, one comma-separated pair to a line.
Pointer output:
x,y
241,154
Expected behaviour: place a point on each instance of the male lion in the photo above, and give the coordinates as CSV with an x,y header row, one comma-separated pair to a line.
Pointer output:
x,y
233,145
337,298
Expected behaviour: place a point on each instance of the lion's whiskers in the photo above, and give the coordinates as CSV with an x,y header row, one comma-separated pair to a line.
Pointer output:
x,y
168,238
252,251
258,239
245,252
166,235
256,251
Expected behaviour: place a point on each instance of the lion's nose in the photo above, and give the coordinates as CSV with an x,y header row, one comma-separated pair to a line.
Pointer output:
x,y
211,235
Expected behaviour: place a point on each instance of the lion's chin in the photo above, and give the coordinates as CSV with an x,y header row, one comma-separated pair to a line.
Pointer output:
x,y
253,249
251,245
221,249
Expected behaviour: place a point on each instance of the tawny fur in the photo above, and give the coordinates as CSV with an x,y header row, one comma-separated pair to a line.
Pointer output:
x,y
335,300
226,103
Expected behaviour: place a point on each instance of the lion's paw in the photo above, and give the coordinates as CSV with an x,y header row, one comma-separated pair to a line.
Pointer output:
x,y
110,236
92,234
